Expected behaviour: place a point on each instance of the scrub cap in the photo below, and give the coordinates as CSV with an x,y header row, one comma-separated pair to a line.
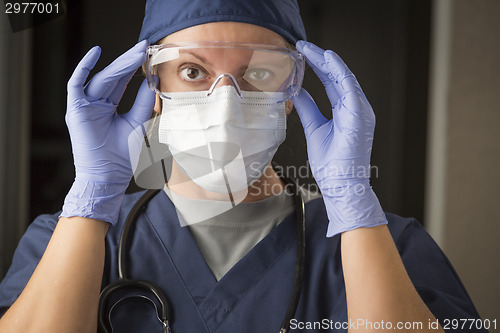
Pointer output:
x,y
164,17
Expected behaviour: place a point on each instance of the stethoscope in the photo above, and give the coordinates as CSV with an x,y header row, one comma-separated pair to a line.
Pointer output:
x,y
163,313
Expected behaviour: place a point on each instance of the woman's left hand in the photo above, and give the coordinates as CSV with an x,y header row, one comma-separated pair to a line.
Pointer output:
x,y
339,149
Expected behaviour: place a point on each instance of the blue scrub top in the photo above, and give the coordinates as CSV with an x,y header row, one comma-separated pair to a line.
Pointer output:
x,y
254,294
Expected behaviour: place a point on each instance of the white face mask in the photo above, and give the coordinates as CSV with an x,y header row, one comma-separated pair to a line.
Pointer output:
x,y
223,142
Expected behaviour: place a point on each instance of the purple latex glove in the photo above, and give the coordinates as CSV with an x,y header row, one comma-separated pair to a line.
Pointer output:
x,y
339,149
99,135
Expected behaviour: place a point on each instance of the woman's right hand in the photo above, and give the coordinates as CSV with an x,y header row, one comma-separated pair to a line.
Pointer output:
x,y
99,135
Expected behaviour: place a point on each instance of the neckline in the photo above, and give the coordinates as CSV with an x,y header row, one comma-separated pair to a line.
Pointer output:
x,y
209,295
216,212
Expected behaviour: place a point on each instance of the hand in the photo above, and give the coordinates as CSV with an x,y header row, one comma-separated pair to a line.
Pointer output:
x,y
339,149
99,135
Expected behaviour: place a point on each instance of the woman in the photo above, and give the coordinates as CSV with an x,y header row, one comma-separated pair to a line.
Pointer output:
x,y
222,269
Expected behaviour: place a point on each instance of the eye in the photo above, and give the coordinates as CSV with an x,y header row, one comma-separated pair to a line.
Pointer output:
x,y
192,74
259,74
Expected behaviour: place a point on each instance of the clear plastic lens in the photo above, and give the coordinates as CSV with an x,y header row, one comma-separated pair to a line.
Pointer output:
x,y
199,66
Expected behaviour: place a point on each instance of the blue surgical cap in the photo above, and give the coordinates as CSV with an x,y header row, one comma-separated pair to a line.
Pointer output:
x,y
164,17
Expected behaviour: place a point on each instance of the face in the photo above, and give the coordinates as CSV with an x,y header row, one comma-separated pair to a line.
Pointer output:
x,y
196,70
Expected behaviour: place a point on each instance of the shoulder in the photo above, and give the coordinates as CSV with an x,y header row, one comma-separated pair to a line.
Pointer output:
x,y
317,220
408,234
32,245
129,200
46,223
399,225
28,253
43,222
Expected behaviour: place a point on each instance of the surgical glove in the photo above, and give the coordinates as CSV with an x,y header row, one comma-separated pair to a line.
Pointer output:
x,y
99,135
339,149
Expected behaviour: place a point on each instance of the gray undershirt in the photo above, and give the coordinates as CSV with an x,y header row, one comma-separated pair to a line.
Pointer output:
x,y
226,238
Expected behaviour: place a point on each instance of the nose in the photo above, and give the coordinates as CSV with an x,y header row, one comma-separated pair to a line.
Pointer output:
x,y
225,79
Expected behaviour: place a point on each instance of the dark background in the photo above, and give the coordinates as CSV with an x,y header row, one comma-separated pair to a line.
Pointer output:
x,y
384,42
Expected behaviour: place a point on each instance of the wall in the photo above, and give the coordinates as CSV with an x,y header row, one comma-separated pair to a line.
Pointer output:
x,y
463,208
15,91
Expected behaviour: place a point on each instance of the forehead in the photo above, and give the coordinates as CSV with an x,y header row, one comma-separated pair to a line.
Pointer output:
x,y
226,31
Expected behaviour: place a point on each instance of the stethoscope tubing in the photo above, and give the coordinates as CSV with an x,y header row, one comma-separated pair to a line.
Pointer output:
x,y
123,280
300,259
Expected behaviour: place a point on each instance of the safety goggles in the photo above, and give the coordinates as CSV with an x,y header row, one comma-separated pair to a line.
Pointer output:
x,y
203,66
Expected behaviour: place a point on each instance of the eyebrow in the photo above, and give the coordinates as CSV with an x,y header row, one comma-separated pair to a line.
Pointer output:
x,y
202,59
243,69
